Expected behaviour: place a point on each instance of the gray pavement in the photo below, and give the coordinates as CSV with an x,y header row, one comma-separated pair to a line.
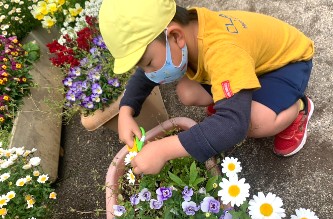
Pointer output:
x,y
304,180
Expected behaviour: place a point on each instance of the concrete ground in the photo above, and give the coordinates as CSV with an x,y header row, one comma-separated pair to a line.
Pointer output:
x,y
304,180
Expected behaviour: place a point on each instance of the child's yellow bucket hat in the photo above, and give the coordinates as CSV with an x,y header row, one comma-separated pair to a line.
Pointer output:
x,y
128,26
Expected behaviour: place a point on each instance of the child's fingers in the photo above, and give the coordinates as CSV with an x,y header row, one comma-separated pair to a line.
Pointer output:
x,y
137,132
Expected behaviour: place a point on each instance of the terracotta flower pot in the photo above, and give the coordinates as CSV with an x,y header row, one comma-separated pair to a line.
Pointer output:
x,y
117,167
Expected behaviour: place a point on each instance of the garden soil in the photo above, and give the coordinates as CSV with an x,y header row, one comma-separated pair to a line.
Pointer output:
x,y
304,180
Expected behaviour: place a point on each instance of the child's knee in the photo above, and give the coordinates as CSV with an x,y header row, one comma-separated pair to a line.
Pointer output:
x,y
185,96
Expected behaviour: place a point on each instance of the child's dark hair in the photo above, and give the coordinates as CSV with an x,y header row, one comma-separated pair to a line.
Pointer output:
x,y
182,17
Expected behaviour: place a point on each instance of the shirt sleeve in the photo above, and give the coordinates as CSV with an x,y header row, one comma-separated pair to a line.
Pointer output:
x,y
137,90
221,131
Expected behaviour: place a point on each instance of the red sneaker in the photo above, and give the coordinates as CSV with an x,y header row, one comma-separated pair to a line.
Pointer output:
x,y
210,109
293,138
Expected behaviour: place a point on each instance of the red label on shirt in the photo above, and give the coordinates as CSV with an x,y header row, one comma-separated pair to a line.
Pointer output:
x,y
226,89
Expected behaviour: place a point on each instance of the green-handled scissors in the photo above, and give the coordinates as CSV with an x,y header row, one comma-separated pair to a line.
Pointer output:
x,y
140,143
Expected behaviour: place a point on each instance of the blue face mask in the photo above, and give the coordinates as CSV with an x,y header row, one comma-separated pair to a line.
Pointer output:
x,y
169,72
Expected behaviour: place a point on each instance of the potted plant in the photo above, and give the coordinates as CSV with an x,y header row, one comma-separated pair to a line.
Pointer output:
x,y
185,189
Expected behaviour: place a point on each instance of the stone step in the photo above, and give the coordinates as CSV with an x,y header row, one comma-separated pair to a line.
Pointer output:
x,y
38,123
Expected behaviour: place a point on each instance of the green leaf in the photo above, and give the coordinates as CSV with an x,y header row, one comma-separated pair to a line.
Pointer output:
x,y
193,173
176,179
210,182
197,181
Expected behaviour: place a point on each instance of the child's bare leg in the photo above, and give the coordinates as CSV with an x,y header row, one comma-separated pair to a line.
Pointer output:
x,y
191,93
265,122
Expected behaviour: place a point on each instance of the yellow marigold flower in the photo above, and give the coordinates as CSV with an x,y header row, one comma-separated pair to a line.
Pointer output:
x,y
5,79
1,82
61,2
15,40
5,59
11,46
18,65
24,79
4,67
2,119
3,211
53,195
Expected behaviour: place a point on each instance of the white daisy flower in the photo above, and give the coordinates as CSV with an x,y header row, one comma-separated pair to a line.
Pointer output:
x,y
11,195
31,202
266,207
53,195
21,182
3,200
42,178
129,157
303,213
27,166
231,166
34,161
19,151
234,191
36,173
131,177
4,177
28,178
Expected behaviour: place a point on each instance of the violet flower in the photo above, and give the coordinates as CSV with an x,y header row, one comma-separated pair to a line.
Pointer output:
x,y
67,81
118,210
189,207
187,193
163,193
98,41
114,82
155,204
134,199
211,205
144,195
96,89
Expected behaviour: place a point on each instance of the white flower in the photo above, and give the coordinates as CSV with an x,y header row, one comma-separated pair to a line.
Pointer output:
x,y
11,195
42,178
21,182
131,177
36,173
266,207
6,164
27,166
33,150
20,151
34,161
4,176
234,191
3,200
28,178
13,157
231,166
31,202
53,195
129,157
303,213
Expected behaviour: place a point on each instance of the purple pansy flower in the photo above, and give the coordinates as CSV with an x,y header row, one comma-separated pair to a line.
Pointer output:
x,y
118,210
226,214
114,82
68,81
96,89
163,193
155,204
144,195
98,41
70,95
134,199
187,193
95,98
189,207
211,205
94,51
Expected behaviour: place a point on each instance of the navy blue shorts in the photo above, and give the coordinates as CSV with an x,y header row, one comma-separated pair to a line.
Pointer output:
x,y
281,88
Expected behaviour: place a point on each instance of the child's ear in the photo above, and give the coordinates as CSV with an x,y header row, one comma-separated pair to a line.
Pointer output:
x,y
177,34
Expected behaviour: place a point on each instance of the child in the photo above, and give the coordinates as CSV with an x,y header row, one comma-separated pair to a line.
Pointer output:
x,y
254,69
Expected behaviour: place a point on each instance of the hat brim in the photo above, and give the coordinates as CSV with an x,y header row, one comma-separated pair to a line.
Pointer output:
x,y
122,65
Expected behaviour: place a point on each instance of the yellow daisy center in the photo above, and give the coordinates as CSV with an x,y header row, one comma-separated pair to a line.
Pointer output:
x,y
132,176
3,211
234,190
231,167
10,196
304,218
266,209
2,201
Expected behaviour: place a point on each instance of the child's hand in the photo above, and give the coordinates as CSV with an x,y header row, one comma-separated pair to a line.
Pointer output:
x,y
127,126
153,156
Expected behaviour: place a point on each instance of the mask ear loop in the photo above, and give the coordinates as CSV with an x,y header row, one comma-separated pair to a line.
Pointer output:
x,y
167,47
